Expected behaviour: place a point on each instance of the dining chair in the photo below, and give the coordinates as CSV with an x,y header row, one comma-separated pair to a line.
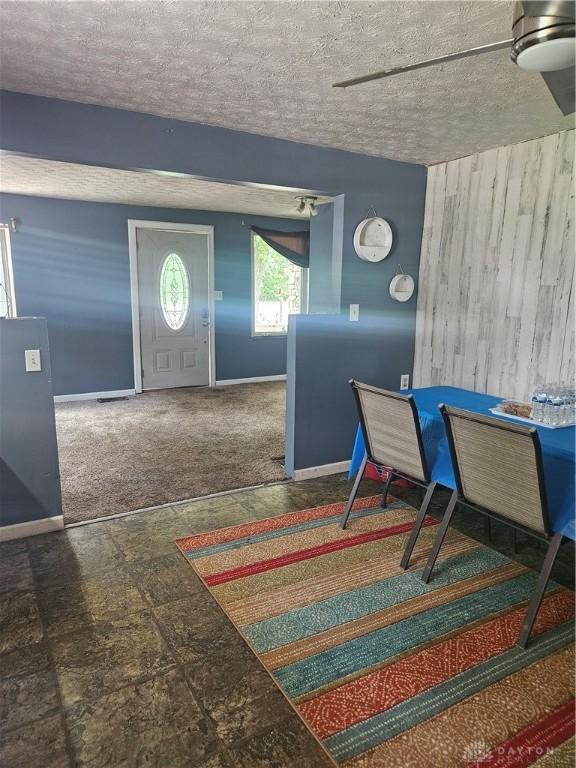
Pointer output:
x,y
393,440
498,471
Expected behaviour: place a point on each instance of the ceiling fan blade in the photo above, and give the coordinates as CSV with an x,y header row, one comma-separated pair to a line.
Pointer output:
x,y
548,8
561,86
428,63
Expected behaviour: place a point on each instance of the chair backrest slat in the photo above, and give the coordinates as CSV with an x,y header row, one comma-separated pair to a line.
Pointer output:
x,y
391,430
498,467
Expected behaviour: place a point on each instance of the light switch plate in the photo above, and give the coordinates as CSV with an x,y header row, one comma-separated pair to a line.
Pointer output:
x,y
405,381
354,313
32,360
218,295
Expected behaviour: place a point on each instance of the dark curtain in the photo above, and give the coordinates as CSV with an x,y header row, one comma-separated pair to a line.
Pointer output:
x,y
294,246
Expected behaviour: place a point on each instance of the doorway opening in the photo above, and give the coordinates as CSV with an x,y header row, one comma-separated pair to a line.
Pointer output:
x,y
167,333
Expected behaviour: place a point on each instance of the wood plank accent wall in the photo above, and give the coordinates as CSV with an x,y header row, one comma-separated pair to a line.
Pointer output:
x,y
496,291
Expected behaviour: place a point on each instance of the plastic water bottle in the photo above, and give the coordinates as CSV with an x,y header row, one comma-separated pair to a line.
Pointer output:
x,y
563,393
535,407
542,400
557,405
544,411
547,410
567,393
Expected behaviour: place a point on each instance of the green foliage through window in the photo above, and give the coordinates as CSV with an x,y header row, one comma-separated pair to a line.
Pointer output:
x,y
272,272
278,287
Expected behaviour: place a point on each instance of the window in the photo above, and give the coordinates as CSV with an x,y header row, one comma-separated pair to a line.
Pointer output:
x,y
7,298
174,291
279,289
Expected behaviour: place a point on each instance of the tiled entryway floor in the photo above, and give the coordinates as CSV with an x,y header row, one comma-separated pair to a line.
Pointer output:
x,y
112,653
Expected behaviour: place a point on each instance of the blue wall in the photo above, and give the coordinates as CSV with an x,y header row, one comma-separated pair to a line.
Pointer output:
x,y
324,353
71,266
325,284
29,474
84,133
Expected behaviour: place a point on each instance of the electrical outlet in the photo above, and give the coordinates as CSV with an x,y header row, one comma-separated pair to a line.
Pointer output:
x,y
32,360
405,381
354,313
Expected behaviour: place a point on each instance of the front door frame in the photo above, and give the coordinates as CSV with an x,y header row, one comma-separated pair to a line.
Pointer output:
x,y
168,226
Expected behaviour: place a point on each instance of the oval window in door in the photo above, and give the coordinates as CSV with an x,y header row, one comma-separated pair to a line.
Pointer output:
x,y
174,291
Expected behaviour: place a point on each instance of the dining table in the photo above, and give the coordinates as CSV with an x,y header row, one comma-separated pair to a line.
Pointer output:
x,y
557,445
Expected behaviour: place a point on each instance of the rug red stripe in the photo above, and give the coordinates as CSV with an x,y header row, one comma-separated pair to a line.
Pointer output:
x,y
304,554
253,528
528,746
378,691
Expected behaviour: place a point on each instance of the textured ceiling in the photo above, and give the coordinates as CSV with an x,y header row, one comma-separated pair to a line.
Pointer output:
x,y
46,178
267,68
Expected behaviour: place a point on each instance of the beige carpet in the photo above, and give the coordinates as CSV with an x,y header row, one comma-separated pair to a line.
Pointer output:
x,y
165,446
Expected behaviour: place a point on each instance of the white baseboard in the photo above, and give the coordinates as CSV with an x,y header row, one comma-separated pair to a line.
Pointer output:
x,y
253,380
94,395
324,469
31,528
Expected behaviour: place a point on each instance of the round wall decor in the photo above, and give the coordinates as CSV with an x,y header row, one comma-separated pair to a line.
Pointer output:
x,y
402,287
373,239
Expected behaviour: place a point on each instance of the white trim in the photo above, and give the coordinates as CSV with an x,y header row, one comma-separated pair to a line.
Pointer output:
x,y
94,395
174,503
252,380
10,292
31,528
135,304
211,310
167,226
320,471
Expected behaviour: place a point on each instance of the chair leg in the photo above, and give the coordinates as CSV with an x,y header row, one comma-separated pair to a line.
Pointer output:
x,y
442,528
353,492
405,562
536,599
386,489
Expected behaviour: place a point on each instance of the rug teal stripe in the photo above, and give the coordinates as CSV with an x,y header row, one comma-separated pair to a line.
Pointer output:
x,y
370,733
317,617
354,655
278,533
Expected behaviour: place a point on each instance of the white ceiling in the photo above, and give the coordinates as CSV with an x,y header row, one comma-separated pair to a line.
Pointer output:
x,y
267,68
45,178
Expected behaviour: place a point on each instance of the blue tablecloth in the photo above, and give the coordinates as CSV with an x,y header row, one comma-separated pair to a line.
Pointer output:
x,y
557,450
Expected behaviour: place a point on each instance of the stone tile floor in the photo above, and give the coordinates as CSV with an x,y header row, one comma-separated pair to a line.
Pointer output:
x,y
112,653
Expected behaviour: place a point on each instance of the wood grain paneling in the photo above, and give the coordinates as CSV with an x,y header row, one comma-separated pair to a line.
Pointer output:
x,y
496,294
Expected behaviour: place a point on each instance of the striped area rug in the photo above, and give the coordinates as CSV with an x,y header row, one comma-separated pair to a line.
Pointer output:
x,y
386,670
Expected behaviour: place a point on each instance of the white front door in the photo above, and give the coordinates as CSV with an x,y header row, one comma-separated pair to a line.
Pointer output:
x,y
174,308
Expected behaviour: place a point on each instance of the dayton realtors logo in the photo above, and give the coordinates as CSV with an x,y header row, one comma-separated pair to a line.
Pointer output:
x,y
478,754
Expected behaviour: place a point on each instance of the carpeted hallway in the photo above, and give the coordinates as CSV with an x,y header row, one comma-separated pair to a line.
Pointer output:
x,y
165,446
